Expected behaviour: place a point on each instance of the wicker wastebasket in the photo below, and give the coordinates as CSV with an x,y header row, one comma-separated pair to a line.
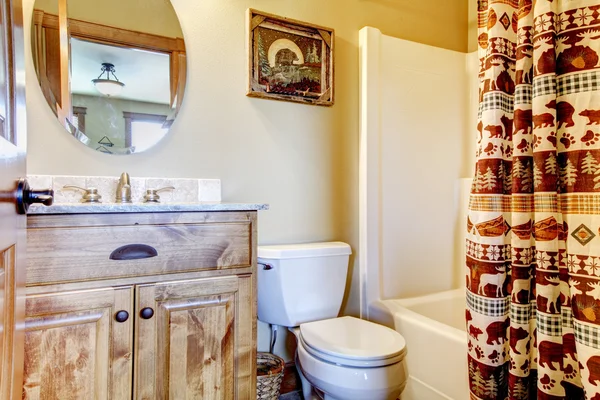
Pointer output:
x,y
269,374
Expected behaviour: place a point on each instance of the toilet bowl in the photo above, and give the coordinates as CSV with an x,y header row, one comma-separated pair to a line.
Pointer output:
x,y
350,359
301,287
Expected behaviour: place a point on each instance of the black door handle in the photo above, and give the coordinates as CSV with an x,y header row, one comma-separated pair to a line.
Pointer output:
x,y
25,196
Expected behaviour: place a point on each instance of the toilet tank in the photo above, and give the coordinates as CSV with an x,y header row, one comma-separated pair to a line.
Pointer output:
x,y
299,283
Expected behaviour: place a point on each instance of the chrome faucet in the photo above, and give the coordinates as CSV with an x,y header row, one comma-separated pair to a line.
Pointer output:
x,y
123,194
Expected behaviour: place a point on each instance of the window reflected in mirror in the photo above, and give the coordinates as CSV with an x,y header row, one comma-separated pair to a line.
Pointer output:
x,y
114,83
145,133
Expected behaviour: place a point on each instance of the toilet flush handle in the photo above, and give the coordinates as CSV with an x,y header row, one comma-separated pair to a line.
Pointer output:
x,y
266,267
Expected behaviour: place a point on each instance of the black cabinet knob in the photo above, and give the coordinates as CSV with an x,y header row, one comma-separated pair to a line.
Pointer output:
x,y
122,316
146,313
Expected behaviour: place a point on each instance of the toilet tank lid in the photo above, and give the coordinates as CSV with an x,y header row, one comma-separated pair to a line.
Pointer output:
x,y
281,251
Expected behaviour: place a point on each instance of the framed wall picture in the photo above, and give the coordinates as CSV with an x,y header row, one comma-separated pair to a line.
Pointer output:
x,y
289,60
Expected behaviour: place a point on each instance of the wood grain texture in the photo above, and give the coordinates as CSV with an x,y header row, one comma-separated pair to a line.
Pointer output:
x,y
13,139
200,342
178,71
110,34
256,21
246,338
134,280
7,297
65,110
150,218
74,348
51,61
254,13
189,349
82,253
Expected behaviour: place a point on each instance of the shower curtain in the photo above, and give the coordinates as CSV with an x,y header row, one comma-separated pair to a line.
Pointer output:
x,y
533,241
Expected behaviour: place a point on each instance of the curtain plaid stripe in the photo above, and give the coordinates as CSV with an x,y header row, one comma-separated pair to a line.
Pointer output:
x,y
523,94
588,204
487,306
544,85
496,101
578,83
567,317
549,324
500,203
586,334
522,313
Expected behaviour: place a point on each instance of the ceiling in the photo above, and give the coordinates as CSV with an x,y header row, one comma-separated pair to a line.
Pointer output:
x,y
144,73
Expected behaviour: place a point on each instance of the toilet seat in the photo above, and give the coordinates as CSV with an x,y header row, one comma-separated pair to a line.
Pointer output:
x,y
352,342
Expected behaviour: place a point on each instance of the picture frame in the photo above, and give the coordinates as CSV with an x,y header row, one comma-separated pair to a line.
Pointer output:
x,y
289,60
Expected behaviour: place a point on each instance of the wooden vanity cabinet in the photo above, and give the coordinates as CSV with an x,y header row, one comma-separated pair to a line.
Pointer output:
x,y
74,348
187,349
188,334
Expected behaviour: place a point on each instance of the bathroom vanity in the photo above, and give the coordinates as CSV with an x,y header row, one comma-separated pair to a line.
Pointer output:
x,y
141,302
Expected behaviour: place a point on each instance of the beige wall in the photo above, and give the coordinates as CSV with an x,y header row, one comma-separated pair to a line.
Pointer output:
x,y
302,160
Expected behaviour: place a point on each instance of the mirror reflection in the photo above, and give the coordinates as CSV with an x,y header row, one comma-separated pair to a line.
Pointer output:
x,y
115,82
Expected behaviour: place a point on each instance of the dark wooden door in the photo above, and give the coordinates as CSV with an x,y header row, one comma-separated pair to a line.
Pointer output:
x,y
12,226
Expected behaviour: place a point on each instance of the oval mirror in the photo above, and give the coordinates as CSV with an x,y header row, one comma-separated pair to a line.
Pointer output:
x,y
112,71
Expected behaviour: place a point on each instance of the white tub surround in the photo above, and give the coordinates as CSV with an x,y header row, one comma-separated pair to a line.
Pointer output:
x,y
417,124
415,146
434,329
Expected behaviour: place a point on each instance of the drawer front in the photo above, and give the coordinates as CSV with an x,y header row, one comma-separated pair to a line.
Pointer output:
x,y
69,254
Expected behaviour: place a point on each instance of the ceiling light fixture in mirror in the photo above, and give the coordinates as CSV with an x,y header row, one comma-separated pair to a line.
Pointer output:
x,y
107,86
114,82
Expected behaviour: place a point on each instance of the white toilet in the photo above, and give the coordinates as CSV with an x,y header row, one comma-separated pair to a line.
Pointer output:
x,y
301,286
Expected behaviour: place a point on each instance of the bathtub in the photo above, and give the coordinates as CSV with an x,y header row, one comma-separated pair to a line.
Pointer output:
x,y
436,339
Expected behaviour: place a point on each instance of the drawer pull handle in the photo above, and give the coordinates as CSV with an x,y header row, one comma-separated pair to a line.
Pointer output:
x,y
122,316
133,252
147,313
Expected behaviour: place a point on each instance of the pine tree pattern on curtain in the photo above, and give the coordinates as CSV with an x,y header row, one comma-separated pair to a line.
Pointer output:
x,y
533,242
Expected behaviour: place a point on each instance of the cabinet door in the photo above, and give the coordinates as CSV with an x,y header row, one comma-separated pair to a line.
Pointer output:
x,y
75,348
199,344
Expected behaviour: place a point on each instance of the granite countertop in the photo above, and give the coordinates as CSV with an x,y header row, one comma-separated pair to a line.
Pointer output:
x,y
107,208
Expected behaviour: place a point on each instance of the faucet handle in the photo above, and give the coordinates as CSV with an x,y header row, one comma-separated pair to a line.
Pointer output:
x,y
152,196
90,195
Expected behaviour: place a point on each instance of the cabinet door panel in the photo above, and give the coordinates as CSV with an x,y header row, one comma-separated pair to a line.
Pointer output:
x,y
74,348
190,349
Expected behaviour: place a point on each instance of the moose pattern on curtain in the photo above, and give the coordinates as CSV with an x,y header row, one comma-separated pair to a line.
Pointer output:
x,y
533,241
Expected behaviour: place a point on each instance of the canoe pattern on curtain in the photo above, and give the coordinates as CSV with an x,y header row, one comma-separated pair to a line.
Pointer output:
x,y
533,242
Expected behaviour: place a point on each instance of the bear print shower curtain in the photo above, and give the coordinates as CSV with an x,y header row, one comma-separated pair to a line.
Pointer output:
x,y
533,241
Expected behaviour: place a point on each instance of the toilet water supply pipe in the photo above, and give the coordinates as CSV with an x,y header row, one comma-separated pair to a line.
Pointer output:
x,y
273,337
273,327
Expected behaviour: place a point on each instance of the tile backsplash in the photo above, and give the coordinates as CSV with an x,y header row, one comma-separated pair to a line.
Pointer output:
x,y
186,190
